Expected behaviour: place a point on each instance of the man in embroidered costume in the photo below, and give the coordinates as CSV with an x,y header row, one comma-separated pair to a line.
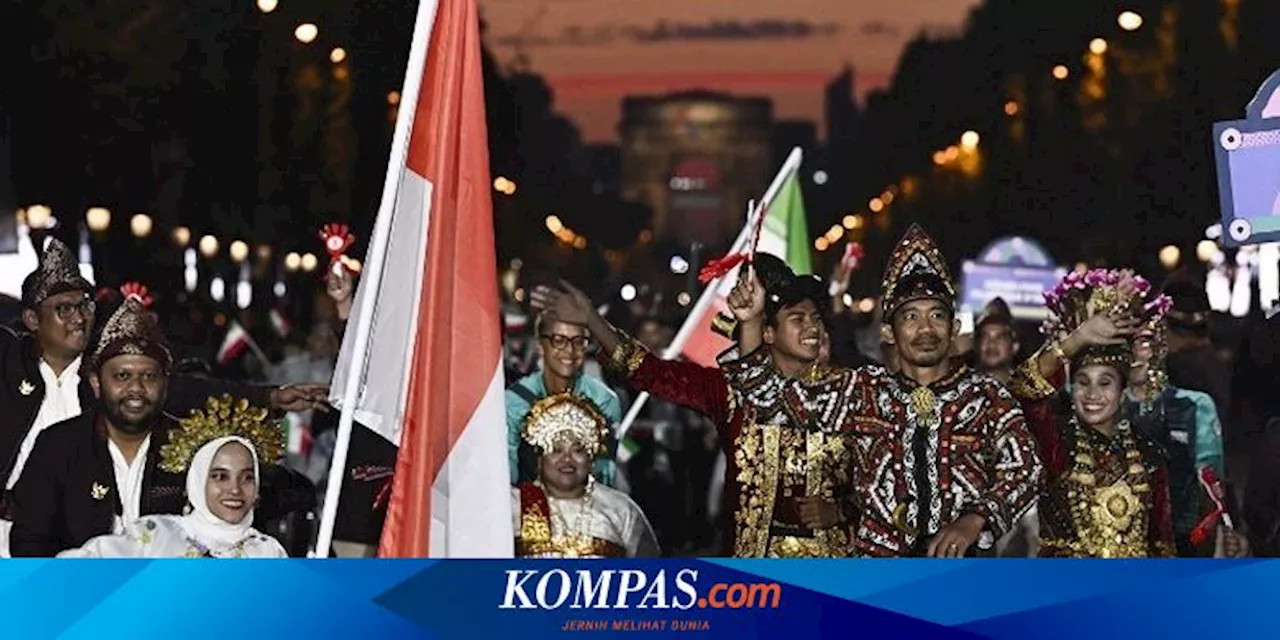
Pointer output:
x,y
90,475
787,462
42,381
565,513
941,455
1106,487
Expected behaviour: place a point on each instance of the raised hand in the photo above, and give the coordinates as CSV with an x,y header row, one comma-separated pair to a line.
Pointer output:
x,y
567,303
1105,329
746,300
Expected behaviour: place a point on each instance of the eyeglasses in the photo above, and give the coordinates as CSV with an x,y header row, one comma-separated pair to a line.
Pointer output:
x,y
65,310
560,343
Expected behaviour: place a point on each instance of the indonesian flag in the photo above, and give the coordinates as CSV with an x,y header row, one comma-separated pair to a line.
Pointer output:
x,y
430,375
280,323
234,344
784,234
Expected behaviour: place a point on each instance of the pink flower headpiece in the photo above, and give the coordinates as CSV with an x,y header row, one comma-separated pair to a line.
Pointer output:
x,y
1079,296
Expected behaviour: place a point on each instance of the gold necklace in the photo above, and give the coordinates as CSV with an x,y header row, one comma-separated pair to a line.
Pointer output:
x,y
1105,517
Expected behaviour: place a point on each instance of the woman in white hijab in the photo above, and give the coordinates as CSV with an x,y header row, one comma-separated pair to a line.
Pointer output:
x,y
222,488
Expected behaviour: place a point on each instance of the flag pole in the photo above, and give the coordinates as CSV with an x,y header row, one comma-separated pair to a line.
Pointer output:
x,y
708,297
375,265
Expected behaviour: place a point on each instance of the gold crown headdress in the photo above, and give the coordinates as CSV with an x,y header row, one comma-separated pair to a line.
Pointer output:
x,y
1080,296
222,416
566,414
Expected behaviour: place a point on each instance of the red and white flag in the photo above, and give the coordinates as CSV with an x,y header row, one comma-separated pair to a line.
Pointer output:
x,y
280,323
421,360
234,344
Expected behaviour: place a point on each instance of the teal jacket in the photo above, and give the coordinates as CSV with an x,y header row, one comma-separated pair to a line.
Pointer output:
x,y
587,387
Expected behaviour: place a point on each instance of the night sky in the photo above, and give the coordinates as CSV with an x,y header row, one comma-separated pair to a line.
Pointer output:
x,y
594,52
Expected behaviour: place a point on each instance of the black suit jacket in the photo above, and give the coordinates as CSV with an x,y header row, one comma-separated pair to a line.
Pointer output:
x,y
20,370
67,492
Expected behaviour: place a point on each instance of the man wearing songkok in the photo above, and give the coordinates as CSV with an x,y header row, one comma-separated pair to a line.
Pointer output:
x,y
565,512
941,455
42,381
219,449
787,462
90,475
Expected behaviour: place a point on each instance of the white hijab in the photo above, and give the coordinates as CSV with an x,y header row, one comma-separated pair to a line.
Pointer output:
x,y
201,523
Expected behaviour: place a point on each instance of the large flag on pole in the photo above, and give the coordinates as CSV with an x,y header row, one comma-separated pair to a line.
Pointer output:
x,y
421,364
784,234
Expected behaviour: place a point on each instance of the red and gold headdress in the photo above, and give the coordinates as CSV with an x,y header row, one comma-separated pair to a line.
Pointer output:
x,y
1080,296
566,414
916,271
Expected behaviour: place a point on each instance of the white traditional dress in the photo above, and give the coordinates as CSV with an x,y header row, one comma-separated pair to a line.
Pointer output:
x,y
199,534
604,523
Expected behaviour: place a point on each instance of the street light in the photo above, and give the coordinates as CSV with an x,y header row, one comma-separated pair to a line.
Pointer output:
x,y
208,246
821,244
98,218
309,262
267,6
969,141
1169,257
293,261
140,224
181,236
554,225
393,98
1098,46
1206,250
1011,108
876,206
337,55
306,33
1061,72
1129,21
38,216
239,251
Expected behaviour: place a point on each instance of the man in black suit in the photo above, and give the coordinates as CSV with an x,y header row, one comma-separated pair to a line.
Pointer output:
x,y
40,371
90,475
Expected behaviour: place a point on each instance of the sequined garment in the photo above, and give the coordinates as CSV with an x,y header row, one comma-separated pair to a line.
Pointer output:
x,y
926,456
782,443
1103,496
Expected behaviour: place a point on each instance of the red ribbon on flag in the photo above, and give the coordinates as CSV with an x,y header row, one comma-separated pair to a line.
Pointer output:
x,y
720,266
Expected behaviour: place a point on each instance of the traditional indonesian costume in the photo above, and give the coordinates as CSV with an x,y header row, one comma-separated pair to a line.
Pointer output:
x,y
604,523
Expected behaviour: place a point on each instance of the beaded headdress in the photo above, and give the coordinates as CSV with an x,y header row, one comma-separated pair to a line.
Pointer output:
x,y
222,416
566,414
1080,296
916,271
132,330
58,272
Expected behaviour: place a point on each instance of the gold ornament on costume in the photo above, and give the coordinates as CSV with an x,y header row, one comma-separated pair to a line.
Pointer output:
x,y
566,414
1110,521
222,416
916,270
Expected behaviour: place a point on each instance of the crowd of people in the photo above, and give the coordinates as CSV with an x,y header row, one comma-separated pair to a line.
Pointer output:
x,y
815,436
942,446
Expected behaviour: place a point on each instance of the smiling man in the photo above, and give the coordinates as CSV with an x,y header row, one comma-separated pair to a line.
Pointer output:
x,y
92,474
941,455
41,378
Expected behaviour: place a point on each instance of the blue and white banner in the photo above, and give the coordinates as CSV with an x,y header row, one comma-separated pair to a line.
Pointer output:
x,y
711,598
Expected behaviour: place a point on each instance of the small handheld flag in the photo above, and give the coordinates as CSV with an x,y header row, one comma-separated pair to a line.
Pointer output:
x,y
137,291
1212,486
337,238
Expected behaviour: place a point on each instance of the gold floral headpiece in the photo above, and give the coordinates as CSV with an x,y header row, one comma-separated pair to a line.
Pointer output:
x,y
1080,296
222,416
566,414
